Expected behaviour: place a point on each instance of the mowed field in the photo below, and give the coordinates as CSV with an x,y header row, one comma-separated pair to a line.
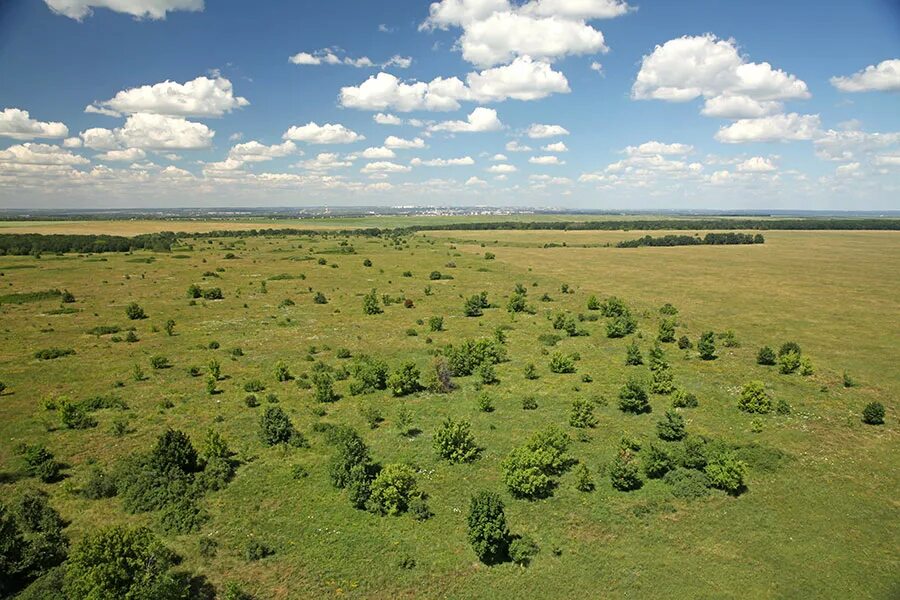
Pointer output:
x,y
819,518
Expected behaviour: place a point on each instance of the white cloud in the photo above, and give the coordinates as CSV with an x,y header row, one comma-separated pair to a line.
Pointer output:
x,y
891,160
387,119
499,157
443,162
654,147
555,147
577,9
852,144
777,128
313,133
31,153
480,119
848,170
254,151
689,67
537,131
18,124
397,143
595,66
756,164
447,13
329,56
98,138
201,97
514,146
150,9
504,168
502,36
99,110
127,155
883,77
378,152
72,142
324,161
545,160
475,181
159,132
384,166
523,79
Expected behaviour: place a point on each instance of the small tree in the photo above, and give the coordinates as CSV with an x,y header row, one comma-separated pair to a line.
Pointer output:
x,y
215,369
706,346
436,324
657,461
765,356
582,414
583,480
666,330
633,355
319,298
370,303
487,530
439,380
873,413
392,489
633,398
671,427
623,473
275,427
788,362
454,441
134,312
473,306
620,326
522,550
405,380
323,383
593,303
663,380
726,472
282,373
684,343
530,372
754,398
170,327
562,363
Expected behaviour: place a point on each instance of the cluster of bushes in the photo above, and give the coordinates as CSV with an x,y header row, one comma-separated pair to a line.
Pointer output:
x,y
619,320
195,291
469,355
712,239
21,244
530,470
32,542
474,305
790,359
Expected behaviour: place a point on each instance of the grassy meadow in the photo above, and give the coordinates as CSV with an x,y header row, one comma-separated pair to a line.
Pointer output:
x,y
819,518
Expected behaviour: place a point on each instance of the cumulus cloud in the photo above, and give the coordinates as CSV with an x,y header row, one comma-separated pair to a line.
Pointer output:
x,y
537,131
499,157
545,160
17,124
387,119
159,132
704,66
654,147
514,146
313,133
324,161
149,9
201,97
555,147
398,143
330,56
72,142
254,151
384,166
127,155
31,153
777,128
496,31
480,119
883,77
475,181
503,168
852,144
378,152
756,164
443,162
523,79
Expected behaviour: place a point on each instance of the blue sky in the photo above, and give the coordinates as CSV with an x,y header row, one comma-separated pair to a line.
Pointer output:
x,y
690,104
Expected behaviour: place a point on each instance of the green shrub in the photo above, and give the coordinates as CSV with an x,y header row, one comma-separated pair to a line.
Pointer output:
x,y
529,403
73,416
633,355
282,373
256,550
662,381
582,414
369,375
873,413
684,343
706,346
350,451
788,362
528,470
789,348
671,427
436,324
487,530
633,398
562,363
583,480
765,356
620,326
666,331
624,474
418,508
726,472
98,485
134,312
52,353
754,398
276,427
530,372
392,489
687,484
657,461
405,380
40,463
683,399
454,441
323,383
522,550
370,303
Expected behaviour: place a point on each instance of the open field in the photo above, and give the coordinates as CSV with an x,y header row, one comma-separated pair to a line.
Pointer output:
x,y
819,517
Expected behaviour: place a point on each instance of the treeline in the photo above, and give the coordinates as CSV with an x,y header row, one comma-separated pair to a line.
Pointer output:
x,y
710,239
678,224
20,244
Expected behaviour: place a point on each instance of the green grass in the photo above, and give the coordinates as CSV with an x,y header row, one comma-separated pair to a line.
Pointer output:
x,y
819,518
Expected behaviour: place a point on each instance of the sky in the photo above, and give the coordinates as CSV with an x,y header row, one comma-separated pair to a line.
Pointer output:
x,y
588,104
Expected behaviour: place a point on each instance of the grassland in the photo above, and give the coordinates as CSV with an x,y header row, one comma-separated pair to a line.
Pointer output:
x,y
819,519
